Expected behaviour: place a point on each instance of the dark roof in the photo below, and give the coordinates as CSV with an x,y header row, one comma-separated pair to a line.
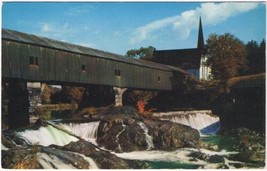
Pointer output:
x,y
59,45
184,58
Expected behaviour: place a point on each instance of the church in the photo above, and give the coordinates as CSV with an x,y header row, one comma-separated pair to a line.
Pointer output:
x,y
191,60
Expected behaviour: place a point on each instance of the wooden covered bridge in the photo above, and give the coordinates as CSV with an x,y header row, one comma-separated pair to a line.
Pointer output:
x,y
31,58
38,59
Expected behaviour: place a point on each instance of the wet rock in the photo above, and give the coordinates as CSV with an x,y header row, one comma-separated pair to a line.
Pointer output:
x,y
208,158
250,144
249,156
212,147
17,158
103,159
168,135
130,132
199,155
216,159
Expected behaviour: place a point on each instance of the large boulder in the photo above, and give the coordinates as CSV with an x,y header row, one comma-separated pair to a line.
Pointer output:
x,y
72,155
169,135
121,129
103,159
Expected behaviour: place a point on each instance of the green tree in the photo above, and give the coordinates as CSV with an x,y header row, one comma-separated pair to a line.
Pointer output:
x,y
141,53
226,56
255,57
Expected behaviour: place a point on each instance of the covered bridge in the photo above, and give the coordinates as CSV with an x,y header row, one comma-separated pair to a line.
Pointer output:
x,y
38,59
30,58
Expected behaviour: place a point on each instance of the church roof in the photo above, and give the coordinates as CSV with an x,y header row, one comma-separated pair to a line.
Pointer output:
x,y
184,58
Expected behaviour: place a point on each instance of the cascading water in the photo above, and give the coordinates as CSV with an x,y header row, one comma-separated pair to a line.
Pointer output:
x,y
51,161
46,135
149,139
117,136
86,131
50,134
204,121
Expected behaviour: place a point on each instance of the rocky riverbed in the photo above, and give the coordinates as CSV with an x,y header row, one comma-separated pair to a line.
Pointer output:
x,y
121,129
125,140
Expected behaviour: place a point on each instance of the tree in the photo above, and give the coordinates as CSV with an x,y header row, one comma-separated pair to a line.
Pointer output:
x,y
142,53
255,57
226,56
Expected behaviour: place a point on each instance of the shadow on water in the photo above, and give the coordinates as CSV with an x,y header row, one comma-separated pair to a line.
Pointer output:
x,y
211,129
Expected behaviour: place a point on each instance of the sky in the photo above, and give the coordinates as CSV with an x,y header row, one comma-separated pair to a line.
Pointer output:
x,y
121,26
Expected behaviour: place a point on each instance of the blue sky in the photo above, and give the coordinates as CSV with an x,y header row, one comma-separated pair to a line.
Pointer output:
x,y
120,26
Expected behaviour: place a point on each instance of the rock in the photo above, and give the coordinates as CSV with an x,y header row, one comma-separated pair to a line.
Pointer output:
x,y
121,129
17,158
103,159
250,144
169,135
216,159
199,155
249,156
214,147
209,158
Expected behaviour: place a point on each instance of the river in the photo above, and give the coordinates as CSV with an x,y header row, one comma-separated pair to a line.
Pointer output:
x,y
60,133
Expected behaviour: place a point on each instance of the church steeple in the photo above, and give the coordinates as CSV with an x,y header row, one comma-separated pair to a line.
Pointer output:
x,y
200,43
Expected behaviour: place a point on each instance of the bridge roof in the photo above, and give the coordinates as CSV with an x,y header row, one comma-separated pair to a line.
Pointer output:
x,y
16,36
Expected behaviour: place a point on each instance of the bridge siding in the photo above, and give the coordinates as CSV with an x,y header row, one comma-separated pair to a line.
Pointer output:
x,y
61,66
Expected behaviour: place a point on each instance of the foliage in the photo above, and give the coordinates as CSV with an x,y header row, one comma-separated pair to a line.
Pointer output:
x,y
226,56
255,57
140,99
141,53
131,97
141,107
76,93
47,93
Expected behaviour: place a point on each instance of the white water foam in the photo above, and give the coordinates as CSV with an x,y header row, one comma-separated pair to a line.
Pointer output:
x,y
86,131
179,156
52,162
149,139
117,136
3,147
203,121
47,135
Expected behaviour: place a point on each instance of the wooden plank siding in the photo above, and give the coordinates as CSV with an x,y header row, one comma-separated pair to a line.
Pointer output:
x,y
53,63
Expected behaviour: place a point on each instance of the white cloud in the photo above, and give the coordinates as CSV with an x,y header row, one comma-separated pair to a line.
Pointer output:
x,y
54,29
143,32
214,13
211,13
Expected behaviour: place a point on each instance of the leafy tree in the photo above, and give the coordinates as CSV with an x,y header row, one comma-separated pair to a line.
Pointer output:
x,y
226,56
47,93
255,57
142,53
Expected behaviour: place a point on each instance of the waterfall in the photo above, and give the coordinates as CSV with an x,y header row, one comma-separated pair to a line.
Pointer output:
x,y
117,136
46,135
149,139
204,121
86,131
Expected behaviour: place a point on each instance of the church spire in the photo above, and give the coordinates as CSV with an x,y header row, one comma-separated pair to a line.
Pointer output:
x,y
200,43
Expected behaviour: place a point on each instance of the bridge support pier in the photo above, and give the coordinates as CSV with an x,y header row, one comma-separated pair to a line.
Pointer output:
x,y
118,95
18,106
